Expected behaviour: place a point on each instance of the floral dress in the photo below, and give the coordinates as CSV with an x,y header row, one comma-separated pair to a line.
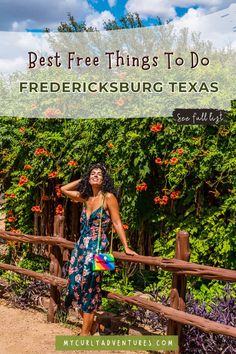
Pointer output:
x,y
84,284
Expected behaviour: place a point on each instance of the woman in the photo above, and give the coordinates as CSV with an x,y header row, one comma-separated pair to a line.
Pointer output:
x,y
96,191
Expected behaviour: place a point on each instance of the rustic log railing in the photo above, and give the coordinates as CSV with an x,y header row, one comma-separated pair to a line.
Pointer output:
x,y
175,315
174,265
179,266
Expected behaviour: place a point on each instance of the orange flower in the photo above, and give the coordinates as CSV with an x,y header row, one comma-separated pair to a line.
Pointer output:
x,y
141,187
120,102
11,219
165,199
52,113
175,194
45,197
23,180
180,151
174,160
41,151
166,162
161,201
157,200
58,190
36,209
52,174
110,145
59,210
122,75
17,231
125,226
22,130
156,128
27,167
158,161
38,151
72,163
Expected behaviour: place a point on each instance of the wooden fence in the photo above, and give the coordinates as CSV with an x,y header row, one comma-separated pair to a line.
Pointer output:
x,y
179,266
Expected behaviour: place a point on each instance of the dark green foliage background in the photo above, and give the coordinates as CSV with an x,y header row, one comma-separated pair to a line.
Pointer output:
x,y
205,175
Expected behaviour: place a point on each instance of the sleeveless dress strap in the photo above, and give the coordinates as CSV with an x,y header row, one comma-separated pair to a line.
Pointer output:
x,y
100,224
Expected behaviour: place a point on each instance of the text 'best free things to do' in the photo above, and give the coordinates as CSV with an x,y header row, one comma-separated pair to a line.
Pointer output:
x,y
115,59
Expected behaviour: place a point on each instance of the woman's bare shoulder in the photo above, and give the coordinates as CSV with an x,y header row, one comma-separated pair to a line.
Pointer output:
x,y
111,200
109,196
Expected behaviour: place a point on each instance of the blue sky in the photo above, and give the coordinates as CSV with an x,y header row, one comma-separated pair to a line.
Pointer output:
x,y
19,15
119,10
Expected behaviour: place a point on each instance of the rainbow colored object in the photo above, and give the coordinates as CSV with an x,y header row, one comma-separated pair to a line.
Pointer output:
x,y
103,261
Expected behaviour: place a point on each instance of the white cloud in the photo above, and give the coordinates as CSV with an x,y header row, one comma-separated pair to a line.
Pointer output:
x,y
10,66
22,25
97,19
15,47
112,3
151,8
217,27
15,14
191,18
210,3
29,41
166,9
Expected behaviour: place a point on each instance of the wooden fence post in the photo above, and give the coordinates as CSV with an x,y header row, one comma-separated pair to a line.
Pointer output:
x,y
177,295
55,268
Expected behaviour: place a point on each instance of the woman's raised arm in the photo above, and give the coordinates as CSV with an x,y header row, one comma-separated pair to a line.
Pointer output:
x,y
70,191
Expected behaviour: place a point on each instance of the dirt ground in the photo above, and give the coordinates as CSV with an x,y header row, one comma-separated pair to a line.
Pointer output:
x,y
28,332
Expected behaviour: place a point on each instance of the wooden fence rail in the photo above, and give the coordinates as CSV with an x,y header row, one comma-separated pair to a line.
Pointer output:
x,y
179,266
175,315
174,265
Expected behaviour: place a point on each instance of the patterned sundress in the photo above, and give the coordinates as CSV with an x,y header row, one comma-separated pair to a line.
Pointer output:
x,y
84,284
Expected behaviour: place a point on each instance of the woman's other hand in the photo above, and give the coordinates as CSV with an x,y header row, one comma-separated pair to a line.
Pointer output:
x,y
130,252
